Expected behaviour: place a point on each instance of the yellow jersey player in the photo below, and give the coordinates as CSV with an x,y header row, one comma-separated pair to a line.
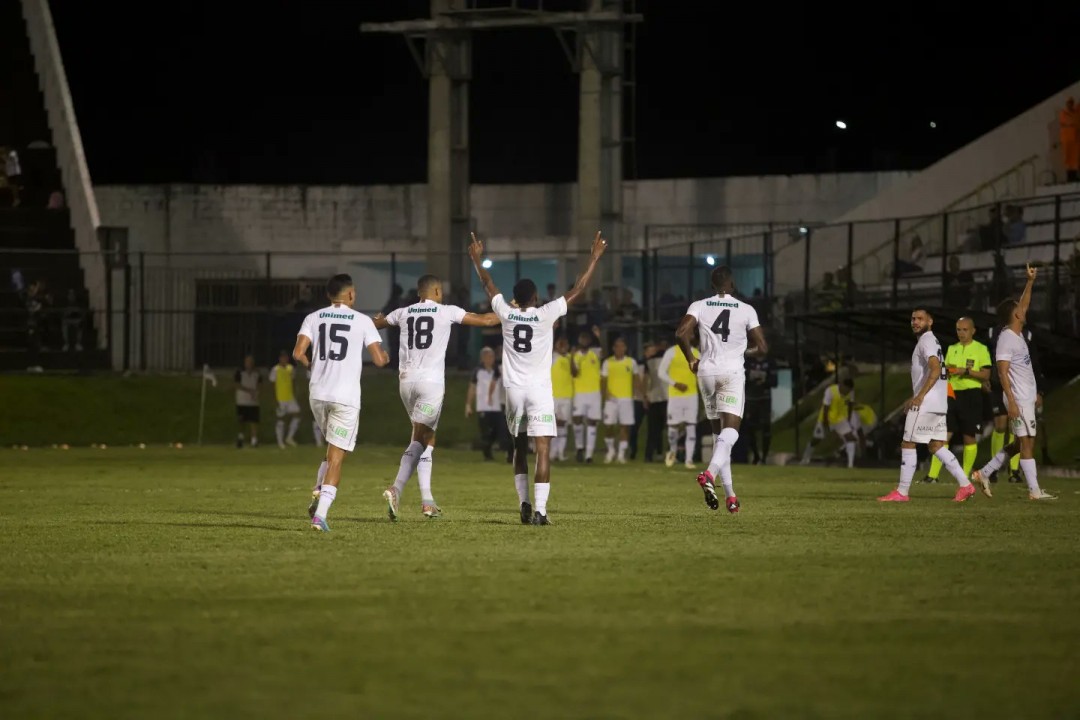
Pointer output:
x,y
619,378
585,365
287,407
682,406
562,387
837,407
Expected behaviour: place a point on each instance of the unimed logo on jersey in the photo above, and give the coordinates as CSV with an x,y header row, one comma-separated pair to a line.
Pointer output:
x,y
524,318
335,316
713,303
418,310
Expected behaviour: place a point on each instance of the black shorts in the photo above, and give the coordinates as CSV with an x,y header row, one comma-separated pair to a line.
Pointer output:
x,y
247,413
997,400
966,412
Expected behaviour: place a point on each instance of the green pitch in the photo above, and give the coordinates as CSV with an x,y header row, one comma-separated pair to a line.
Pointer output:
x,y
185,584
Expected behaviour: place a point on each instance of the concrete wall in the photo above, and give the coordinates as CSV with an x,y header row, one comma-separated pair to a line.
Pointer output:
x,y
1011,161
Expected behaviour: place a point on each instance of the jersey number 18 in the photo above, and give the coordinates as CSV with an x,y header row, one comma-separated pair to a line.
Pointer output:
x,y
420,332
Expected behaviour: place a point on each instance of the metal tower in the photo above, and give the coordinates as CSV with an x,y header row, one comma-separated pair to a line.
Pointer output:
x,y
594,40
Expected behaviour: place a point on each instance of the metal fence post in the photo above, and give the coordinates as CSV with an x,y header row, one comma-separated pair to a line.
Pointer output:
x,y
1055,297
849,274
142,310
895,262
944,257
806,271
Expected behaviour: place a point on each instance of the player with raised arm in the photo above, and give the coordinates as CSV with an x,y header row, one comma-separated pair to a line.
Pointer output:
x,y
337,336
926,422
425,332
725,326
528,335
1014,367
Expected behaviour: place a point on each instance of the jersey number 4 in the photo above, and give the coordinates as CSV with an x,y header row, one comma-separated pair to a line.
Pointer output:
x,y
420,332
720,325
342,342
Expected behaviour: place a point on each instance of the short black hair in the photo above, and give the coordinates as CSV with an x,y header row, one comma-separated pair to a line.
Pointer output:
x,y
721,277
1005,310
847,382
921,308
426,283
524,292
338,284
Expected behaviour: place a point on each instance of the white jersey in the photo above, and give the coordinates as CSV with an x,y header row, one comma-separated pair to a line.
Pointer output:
x,y
724,323
338,336
1014,348
425,331
528,337
937,399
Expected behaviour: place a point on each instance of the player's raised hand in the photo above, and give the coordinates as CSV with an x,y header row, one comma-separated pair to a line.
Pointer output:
x,y
476,248
1031,272
598,246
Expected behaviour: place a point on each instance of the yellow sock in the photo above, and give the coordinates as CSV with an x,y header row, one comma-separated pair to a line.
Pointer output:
x,y
935,467
970,452
997,441
1014,463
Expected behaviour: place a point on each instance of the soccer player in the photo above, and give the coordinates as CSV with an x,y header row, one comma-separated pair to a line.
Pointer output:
x,y
682,406
1018,383
248,379
968,364
837,406
761,379
925,422
287,407
562,385
725,327
337,336
998,409
619,378
425,332
585,366
528,335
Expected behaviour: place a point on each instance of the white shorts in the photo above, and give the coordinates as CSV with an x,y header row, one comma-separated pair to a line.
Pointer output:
x,y
723,394
423,401
682,409
564,410
288,407
337,422
619,411
843,427
1023,426
922,427
587,405
532,409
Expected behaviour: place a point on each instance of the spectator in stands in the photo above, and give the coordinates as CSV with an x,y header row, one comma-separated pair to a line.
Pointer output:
x,y
958,285
1015,227
1069,140
36,300
56,200
916,255
628,315
13,174
992,234
829,296
72,322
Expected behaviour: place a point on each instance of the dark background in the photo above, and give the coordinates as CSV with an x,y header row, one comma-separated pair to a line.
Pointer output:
x,y
291,92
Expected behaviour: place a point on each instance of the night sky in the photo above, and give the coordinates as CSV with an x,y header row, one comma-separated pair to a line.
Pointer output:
x,y
291,92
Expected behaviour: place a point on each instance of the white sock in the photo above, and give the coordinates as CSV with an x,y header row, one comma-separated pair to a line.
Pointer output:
x,y
610,443
849,448
590,440
423,474
317,432
521,482
908,460
409,460
948,461
541,490
672,437
995,464
326,499
808,452
279,430
294,425
691,442
321,474
624,445
560,441
728,436
717,456
579,436
1031,475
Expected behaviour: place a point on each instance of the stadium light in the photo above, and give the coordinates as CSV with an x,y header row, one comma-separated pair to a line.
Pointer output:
x,y
933,124
710,260
802,231
841,124
486,264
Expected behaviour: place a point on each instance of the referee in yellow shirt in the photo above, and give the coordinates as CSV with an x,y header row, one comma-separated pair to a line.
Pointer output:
x,y
968,364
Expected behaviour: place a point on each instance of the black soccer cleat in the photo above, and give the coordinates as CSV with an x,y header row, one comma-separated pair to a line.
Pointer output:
x,y
540,518
526,513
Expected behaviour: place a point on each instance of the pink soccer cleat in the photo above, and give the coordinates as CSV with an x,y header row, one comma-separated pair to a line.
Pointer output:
x,y
705,480
732,504
964,493
894,496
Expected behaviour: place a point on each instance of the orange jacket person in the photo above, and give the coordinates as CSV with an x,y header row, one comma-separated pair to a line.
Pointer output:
x,y
1069,137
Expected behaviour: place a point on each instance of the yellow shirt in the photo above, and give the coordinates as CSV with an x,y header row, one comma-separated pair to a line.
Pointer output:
x,y
680,373
620,376
839,404
867,417
975,356
282,376
588,377
562,380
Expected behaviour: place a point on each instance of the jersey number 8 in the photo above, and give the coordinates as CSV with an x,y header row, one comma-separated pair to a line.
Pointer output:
x,y
523,335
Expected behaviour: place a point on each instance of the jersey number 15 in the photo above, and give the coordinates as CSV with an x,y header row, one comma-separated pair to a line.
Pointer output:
x,y
342,342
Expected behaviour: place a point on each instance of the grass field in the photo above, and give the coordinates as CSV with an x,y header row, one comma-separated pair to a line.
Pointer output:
x,y
183,584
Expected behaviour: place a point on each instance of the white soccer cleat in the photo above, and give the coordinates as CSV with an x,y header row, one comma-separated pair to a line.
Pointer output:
x,y
1041,495
609,457
983,483
669,459
690,465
